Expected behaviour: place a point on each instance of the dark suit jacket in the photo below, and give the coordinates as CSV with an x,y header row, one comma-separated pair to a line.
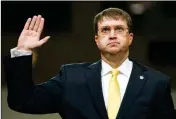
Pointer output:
x,y
76,92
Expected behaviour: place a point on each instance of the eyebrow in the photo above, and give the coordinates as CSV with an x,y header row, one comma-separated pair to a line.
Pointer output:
x,y
113,26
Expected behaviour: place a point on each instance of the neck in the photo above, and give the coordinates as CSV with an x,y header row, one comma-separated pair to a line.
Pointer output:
x,y
114,60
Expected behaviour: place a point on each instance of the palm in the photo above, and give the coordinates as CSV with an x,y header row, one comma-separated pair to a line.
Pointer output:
x,y
30,36
28,39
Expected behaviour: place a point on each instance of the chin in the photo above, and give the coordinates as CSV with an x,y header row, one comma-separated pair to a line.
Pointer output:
x,y
114,51
111,50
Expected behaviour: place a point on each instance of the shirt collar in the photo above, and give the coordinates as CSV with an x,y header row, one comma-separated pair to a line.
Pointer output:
x,y
124,68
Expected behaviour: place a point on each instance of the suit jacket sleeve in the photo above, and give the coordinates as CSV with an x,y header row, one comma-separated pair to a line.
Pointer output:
x,y
24,96
165,104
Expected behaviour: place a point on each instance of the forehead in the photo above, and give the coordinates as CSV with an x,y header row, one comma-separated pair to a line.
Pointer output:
x,y
112,22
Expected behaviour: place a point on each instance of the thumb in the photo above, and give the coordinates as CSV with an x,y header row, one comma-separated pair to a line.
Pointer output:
x,y
44,40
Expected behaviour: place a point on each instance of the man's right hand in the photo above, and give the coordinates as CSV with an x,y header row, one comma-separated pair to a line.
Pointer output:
x,y
30,36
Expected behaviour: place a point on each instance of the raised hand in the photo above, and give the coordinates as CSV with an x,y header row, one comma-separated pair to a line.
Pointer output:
x,y
30,36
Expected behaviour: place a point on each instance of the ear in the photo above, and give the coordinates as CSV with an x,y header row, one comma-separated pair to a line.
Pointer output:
x,y
131,35
96,40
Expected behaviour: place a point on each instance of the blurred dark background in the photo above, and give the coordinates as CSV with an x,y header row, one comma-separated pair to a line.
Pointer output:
x,y
70,25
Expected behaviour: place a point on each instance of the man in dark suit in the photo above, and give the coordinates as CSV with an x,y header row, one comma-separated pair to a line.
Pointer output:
x,y
90,90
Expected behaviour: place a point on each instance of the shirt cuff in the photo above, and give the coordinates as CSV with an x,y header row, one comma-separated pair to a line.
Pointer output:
x,y
17,53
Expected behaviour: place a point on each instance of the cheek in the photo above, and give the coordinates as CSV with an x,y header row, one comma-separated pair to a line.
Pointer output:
x,y
124,41
102,42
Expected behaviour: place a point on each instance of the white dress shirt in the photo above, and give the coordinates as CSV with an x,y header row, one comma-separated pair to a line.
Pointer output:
x,y
17,53
123,77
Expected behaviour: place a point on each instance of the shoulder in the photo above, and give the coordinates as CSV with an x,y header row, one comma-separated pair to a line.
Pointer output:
x,y
156,72
76,65
153,73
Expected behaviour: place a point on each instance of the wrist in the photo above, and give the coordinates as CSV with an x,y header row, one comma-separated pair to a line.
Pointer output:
x,y
23,49
16,53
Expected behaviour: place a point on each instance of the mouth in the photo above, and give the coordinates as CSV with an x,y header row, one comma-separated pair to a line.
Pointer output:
x,y
113,43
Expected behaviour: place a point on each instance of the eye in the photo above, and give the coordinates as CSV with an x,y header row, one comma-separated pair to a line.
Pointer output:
x,y
105,29
120,29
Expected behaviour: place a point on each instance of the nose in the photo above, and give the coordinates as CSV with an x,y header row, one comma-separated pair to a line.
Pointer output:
x,y
112,35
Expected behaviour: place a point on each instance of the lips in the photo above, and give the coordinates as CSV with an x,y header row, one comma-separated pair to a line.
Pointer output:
x,y
112,43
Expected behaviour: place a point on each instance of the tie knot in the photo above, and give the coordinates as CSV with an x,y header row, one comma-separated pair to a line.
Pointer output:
x,y
115,72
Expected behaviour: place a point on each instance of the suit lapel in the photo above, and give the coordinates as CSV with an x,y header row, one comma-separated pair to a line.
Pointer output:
x,y
136,82
93,76
134,87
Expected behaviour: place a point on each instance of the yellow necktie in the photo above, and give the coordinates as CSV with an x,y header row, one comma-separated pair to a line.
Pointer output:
x,y
113,95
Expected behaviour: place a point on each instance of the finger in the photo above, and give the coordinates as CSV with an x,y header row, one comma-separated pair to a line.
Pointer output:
x,y
26,26
32,23
44,40
40,28
37,23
